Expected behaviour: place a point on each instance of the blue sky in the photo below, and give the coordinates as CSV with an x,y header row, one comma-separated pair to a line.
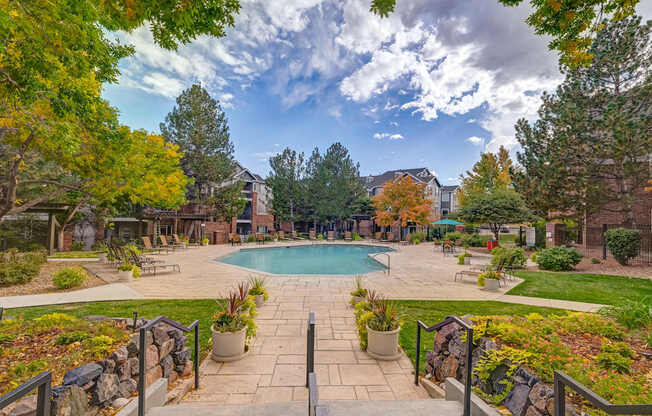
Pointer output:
x,y
432,86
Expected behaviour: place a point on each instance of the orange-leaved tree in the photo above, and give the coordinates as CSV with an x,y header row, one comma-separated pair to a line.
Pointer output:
x,y
402,201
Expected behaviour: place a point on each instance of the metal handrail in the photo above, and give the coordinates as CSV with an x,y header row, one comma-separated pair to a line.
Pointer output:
x,y
43,382
469,353
373,256
561,380
310,347
141,355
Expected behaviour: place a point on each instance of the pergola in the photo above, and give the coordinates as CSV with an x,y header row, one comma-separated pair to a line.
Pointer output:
x,y
50,208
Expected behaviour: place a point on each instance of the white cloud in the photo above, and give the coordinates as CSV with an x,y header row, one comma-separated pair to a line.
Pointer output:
x,y
389,136
477,141
264,156
393,123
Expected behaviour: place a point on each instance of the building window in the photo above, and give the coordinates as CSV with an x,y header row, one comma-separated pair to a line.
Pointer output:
x,y
445,197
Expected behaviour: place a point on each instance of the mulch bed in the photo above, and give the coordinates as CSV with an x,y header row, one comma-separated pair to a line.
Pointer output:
x,y
43,282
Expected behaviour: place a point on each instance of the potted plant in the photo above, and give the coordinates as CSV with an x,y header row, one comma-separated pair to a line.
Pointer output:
x,y
383,329
204,241
125,272
257,290
490,279
359,293
233,325
186,240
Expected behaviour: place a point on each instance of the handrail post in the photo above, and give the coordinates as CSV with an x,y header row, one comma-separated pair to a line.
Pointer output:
x,y
418,353
560,395
43,397
141,373
310,353
469,371
197,356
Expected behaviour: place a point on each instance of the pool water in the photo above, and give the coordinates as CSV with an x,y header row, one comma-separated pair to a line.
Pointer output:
x,y
309,259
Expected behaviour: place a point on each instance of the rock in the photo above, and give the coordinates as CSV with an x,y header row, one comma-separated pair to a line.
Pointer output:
x,y
96,318
180,343
445,334
82,375
132,348
119,403
25,407
122,322
517,400
134,364
120,355
124,370
187,369
532,411
173,377
106,389
497,380
430,355
523,376
153,374
457,347
88,386
108,365
428,369
127,388
151,356
165,348
437,363
167,364
141,322
449,367
68,401
175,333
539,396
180,357
149,338
160,336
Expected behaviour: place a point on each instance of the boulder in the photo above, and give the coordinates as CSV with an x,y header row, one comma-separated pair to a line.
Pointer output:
x,y
187,369
80,376
127,388
517,400
134,364
180,343
149,338
165,348
120,355
25,407
119,403
108,365
124,370
456,346
106,389
532,411
175,333
153,374
449,367
540,395
160,335
132,348
445,334
151,356
180,357
167,364
497,380
68,401
173,377
523,376
437,363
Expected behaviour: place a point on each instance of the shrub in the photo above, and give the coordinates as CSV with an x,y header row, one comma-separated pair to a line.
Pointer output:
x,y
236,311
35,247
251,238
69,277
595,260
623,244
136,272
18,271
359,290
417,237
77,246
473,240
533,256
320,236
204,241
68,338
257,286
632,313
558,259
489,274
621,348
453,236
614,361
500,254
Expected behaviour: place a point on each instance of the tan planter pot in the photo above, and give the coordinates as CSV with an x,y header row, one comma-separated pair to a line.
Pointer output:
x,y
228,346
491,284
383,345
467,260
259,300
125,275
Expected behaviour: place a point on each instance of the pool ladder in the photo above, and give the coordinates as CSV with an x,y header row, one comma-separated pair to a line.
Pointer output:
x,y
373,256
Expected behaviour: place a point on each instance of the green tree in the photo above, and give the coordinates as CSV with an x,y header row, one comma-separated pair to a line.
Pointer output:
x,y
314,186
54,58
571,24
587,150
228,202
491,172
496,209
199,127
285,182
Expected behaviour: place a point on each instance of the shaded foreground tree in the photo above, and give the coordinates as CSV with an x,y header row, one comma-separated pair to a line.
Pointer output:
x,y
402,202
199,127
496,209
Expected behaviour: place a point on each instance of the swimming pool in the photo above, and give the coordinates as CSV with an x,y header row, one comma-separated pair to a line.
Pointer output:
x,y
309,259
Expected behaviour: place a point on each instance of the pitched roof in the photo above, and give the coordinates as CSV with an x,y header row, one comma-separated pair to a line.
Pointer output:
x,y
420,174
449,188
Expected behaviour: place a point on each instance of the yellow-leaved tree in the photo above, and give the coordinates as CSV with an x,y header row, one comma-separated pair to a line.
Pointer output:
x,y
401,202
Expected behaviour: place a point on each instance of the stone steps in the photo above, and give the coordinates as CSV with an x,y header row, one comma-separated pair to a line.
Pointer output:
x,y
416,407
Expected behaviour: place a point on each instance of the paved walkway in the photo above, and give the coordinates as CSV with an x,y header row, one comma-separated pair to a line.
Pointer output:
x,y
113,291
275,369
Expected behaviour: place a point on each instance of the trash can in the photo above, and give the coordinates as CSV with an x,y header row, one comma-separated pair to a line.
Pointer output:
x,y
491,244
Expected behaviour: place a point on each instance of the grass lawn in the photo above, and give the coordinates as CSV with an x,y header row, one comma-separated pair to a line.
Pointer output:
x,y
74,255
580,287
432,312
183,311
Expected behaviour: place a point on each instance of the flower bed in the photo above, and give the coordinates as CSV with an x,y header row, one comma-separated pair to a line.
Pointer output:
x,y
515,358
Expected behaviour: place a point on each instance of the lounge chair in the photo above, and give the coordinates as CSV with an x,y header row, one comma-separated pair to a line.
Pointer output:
x,y
148,246
127,255
312,235
295,236
474,273
178,241
347,236
281,235
260,238
164,243
152,267
235,239
331,236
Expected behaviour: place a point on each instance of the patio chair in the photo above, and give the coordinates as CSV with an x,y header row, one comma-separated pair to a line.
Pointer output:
x,y
407,240
164,243
178,241
148,246
128,254
260,238
153,267
235,239
331,236
312,235
296,236
448,247
347,236
281,235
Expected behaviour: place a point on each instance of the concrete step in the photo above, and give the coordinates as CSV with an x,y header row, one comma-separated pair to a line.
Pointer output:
x,y
417,407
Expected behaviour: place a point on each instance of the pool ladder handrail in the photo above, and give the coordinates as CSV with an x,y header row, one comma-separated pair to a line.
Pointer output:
x,y
373,256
